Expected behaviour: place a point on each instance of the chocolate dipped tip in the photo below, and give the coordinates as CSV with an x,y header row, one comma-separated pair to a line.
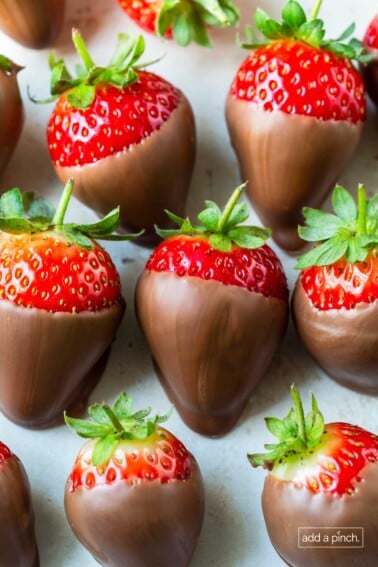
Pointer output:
x,y
344,342
289,162
55,365
208,359
143,180
149,520
18,543
305,512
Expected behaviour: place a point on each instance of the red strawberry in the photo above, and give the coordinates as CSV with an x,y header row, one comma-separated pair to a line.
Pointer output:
x,y
34,24
60,306
370,69
321,477
295,113
125,135
335,302
18,545
11,110
135,494
212,303
184,20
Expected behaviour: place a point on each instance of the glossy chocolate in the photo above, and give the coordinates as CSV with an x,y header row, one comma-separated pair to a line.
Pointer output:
x,y
287,507
344,342
18,544
209,359
11,115
145,179
139,525
47,359
288,161
33,23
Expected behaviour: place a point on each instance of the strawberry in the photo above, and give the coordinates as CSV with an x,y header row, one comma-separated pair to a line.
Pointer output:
x,y
370,69
134,492
184,20
335,301
125,135
295,113
212,302
321,476
60,299
33,24
11,110
18,544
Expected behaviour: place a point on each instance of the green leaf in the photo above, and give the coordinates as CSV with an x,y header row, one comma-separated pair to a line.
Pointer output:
x,y
276,427
247,237
103,449
122,406
356,252
320,225
85,428
372,207
344,204
11,205
324,254
81,96
239,214
209,218
35,207
220,242
346,33
293,14
108,224
98,413
182,31
260,18
75,236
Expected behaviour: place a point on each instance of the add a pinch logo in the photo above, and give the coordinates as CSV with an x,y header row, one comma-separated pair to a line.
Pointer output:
x,y
352,537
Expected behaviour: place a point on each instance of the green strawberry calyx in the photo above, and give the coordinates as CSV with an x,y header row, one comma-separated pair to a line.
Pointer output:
x,y
190,19
110,425
121,71
221,227
310,30
27,212
8,66
296,433
351,232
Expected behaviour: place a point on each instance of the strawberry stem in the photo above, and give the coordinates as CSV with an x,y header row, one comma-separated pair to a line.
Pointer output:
x,y
116,423
82,50
229,207
63,203
302,437
361,222
315,10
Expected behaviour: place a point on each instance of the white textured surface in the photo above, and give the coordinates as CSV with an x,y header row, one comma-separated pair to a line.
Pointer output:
x,y
234,533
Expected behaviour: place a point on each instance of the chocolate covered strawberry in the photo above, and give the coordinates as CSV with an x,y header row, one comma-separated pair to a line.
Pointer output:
x,y
60,307
184,20
35,24
212,302
370,69
323,479
295,113
18,544
335,301
124,134
135,495
11,110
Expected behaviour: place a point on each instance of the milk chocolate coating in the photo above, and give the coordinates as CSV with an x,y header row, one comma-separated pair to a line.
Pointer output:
x,y
288,161
344,342
145,179
45,359
211,344
11,116
18,544
33,23
139,525
287,507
